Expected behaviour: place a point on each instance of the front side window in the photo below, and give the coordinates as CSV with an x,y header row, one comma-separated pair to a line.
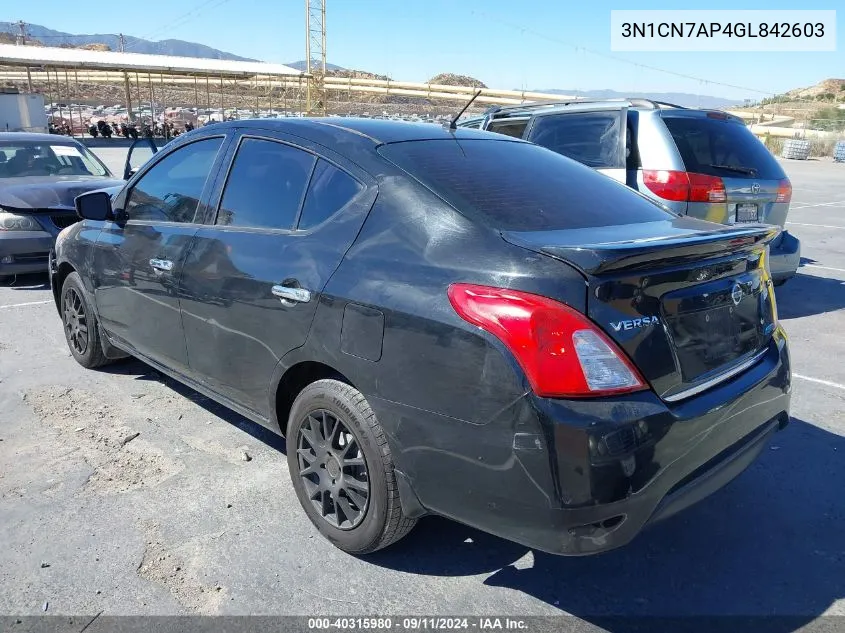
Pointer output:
x,y
171,190
266,185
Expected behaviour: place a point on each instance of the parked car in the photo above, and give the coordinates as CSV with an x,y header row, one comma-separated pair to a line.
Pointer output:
x,y
40,175
703,163
439,321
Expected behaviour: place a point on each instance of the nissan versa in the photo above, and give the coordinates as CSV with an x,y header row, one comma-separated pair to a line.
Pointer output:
x,y
439,321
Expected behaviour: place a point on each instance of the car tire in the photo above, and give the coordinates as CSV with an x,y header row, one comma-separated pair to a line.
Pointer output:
x,y
80,325
331,478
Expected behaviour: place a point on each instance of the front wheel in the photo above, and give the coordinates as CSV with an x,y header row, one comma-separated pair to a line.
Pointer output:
x,y
342,469
80,325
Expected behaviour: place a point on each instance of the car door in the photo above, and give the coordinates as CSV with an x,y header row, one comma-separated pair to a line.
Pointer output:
x,y
287,213
592,134
138,258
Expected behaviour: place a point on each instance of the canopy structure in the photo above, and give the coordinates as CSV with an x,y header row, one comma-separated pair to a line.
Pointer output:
x,y
75,58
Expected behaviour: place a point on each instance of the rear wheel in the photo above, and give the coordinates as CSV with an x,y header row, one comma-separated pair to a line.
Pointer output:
x,y
80,325
342,469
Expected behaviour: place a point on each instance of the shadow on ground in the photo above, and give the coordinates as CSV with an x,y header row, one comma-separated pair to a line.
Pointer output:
x,y
141,371
36,281
806,295
769,544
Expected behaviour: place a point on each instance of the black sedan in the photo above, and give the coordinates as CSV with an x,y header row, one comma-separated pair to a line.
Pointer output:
x,y
40,175
439,321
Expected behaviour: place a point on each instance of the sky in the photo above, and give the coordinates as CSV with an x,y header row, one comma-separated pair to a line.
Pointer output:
x,y
534,45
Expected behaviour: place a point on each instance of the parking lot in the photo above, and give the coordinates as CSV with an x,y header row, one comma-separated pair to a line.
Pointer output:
x,y
123,492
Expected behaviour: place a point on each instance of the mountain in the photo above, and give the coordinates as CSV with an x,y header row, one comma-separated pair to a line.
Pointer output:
x,y
301,65
678,98
49,37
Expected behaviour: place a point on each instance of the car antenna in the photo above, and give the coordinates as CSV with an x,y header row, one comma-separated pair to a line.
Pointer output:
x,y
452,123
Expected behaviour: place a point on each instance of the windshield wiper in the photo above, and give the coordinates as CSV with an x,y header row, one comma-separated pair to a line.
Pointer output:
x,y
737,168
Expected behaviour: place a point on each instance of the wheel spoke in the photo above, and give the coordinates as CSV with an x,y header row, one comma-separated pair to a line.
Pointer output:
x,y
348,513
352,461
308,435
307,454
351,482
358,499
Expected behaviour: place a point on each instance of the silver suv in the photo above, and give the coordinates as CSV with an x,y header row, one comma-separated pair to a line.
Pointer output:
x,y
702,163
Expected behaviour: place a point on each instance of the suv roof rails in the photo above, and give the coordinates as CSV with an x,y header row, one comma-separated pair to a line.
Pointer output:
x,y
651,104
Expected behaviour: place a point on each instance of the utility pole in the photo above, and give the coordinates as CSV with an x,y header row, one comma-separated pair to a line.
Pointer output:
x,y
121,42
20,39
315,56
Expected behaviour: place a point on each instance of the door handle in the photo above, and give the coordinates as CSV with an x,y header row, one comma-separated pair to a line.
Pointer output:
x,y
162,264
292,295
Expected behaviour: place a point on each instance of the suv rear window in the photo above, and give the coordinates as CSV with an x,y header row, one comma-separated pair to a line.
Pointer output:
x,y
518,186
706,143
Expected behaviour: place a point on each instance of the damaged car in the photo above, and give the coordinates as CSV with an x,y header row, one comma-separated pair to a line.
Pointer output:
x,y
439,321
40,175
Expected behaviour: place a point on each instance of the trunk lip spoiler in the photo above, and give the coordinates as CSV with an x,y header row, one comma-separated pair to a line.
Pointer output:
x,y
602,256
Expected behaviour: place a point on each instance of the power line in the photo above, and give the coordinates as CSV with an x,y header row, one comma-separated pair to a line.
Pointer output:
x,y
578,47
185,18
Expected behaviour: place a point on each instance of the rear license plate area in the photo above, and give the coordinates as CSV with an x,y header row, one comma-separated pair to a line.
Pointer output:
x,y
747,213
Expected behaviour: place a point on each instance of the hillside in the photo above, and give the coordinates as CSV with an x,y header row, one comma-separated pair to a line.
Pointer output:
x,y
50,37
826,90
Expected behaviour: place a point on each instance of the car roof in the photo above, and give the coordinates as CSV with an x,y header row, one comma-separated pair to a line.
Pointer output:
x,y
34,137
361,131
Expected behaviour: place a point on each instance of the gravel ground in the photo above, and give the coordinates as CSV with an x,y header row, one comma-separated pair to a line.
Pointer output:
x,y
124,492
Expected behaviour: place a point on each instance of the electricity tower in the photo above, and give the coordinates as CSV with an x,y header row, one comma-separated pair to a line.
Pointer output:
x,y
315,56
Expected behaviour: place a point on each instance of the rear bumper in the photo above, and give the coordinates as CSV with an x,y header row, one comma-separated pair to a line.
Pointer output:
x,y
550,490
784,256
27,249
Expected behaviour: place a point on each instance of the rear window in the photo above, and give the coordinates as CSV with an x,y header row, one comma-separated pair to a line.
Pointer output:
x,y
519,186
723,148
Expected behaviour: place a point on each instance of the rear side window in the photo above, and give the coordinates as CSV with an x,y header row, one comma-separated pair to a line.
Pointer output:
x,y
719,147
509,128
519,186
265,186
591,138
330,190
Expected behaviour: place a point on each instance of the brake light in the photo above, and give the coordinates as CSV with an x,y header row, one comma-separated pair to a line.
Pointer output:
x,y
705,188
562,353
669,185
680,186
784,191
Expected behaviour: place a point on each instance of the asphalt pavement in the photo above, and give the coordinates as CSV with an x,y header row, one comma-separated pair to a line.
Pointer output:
x,y
124,492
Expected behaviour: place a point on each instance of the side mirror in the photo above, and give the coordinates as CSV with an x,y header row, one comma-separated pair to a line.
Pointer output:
x,y
94,205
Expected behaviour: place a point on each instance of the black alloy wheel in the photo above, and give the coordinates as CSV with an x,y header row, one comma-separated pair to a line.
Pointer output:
x,y
75,321
333,470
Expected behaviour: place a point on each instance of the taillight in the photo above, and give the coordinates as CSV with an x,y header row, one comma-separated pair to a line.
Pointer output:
x,y
680,186
784,191
705,188
669,185
562,353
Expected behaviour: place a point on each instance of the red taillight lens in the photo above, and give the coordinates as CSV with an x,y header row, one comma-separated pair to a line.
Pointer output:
x,y
705,188
680,186
784,191
562,353
669,185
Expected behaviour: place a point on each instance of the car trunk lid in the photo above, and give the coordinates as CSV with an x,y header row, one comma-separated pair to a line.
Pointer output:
x,y
688,301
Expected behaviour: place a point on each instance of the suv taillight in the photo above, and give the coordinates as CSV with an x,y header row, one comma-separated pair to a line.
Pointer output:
x,y
784,191
680,186
562,353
